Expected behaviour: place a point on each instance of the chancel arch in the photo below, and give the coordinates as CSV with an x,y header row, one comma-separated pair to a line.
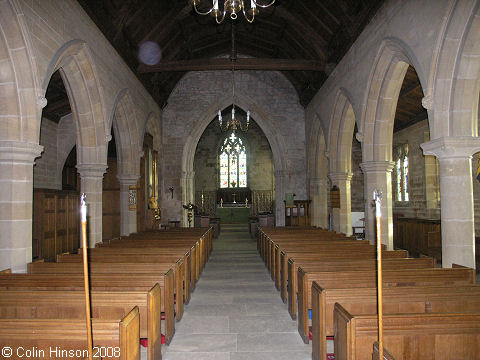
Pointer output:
x,y
264,123
234,169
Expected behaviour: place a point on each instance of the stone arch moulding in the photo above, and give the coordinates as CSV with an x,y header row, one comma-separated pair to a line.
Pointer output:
x,y
458,82
74,61
340,133
385,82
124,122
19,69
276,144
152,126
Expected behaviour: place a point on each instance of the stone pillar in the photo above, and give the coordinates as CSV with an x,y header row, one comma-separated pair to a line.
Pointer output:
x,y
319,196
279,198
456,193
128,217
91,177
342,217
378,175
16,203
188,194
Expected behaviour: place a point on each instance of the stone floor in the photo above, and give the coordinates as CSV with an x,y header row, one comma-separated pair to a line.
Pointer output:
x,y
235,312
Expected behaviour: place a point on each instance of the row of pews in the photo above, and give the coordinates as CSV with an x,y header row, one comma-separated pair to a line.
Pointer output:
x,y
429,312
138,283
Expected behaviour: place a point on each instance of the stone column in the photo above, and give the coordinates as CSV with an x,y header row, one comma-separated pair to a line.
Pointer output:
x,y
279,198
378,175
16,203
188,194
128,218
318,195
91,177
456,193
342,217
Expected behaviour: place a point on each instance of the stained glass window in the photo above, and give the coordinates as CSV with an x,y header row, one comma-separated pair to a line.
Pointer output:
x,y
233,162
401,173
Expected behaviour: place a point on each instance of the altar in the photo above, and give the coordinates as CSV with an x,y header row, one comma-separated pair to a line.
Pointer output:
x,y
233,213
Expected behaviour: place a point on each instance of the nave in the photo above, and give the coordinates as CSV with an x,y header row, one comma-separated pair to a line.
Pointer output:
x,y
235,311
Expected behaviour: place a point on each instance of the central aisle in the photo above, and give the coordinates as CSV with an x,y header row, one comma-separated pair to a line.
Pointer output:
x,y
235,312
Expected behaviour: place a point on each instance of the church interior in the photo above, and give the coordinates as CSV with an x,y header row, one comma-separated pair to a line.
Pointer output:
x,y
264,179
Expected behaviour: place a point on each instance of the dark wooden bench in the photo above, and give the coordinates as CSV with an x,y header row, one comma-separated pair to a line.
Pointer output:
x,y
408,336
119,337
114,283
105,305
438,299
368,278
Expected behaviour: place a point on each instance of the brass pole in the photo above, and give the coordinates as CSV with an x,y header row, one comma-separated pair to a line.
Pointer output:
x,y
83,211
377,196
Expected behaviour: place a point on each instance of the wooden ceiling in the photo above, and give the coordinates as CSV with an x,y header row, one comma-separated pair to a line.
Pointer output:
x,y
310,34
409,107
312,30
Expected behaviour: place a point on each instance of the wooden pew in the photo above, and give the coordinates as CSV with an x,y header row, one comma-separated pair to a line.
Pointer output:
x,y
106,305
358,301
368,278
408,336
122,263
376,353
115,283
289,269
61,334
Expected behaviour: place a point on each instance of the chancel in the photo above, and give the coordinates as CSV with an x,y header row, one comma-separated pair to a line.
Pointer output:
x,y
228,151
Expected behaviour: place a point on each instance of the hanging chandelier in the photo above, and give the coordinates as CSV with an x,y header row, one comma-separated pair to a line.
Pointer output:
x,y
233,8
234,123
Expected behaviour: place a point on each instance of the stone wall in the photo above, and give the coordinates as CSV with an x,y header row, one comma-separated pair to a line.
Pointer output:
x,y
195,101
417,205
259,158
45,169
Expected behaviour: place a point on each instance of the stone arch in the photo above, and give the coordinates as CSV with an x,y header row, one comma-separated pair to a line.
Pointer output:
x,y
18,83
152,126
261,118
384,86
74,62
342,125
124,122
457,82
317,171
386,78
340,134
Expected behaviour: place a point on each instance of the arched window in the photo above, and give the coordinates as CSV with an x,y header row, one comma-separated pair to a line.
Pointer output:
x,y
401,173
233,163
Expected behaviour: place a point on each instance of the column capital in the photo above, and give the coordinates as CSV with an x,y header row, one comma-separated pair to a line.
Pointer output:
x,y
377,166
451,147
91,170
340,176
128,179
19,151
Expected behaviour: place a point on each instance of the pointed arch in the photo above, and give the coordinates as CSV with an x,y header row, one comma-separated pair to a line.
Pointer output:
x,y
74,62
261,118
340,134
127,136
384,86
457,82
152,127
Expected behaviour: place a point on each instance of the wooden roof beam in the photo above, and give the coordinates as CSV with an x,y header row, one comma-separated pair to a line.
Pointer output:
x,y
240,64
